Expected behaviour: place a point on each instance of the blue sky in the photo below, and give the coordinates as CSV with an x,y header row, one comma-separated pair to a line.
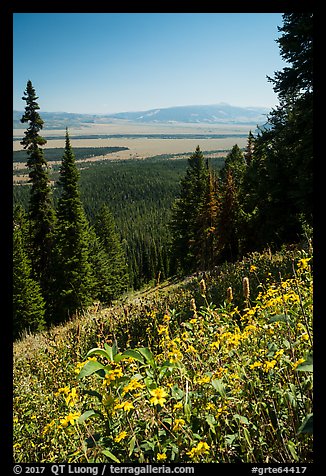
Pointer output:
x,y
115,62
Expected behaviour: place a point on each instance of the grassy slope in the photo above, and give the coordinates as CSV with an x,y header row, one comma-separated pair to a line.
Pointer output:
x,y
232,390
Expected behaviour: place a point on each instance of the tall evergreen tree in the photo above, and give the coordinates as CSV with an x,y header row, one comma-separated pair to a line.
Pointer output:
x,y
75,282
116,280
284,150
249,149
28,303
206,243
186,211
41,211
228,220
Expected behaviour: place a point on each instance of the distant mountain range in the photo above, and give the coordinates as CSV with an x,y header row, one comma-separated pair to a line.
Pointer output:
x,y
210,114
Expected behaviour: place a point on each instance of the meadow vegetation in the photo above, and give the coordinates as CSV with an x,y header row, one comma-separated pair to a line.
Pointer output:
x,y
214,369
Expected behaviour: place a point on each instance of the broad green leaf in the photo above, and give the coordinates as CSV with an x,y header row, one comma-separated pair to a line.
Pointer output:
x,y
133,354
109,351
90,368
110,455
217,384
98,351
307,424
87,415
148,355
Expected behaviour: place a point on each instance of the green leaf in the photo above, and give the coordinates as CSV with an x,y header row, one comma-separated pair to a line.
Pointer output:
x,y
109,351
134,354
217,384
148,355
110,455
247,436
307,424
93,393
306,366
211,422
279,318
87,415
132,445
229,439
98,351
177,393
292,449
242,419
90,368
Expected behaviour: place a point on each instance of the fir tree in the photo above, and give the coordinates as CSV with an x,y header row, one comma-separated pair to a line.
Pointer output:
x,y
207,231
228,220
249,149
74,274
115,281
41,211
186,211
28,303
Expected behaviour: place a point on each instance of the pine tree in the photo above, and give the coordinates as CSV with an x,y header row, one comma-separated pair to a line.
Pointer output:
x,y
28,303
41,211
74,273
186,211
115,281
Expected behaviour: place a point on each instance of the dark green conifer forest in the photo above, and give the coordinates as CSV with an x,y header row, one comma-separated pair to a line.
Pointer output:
x,y
82,236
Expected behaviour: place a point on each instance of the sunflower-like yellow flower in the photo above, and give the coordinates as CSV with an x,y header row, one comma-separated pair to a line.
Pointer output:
x,y
201,449
158,396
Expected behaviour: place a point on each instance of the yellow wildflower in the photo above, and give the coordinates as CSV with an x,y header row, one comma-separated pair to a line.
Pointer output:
x,y
178,423
126,406
252,268
121,436
72,398
132,385
65,390
298,362
255,364
112,375
201,449
176,406
158,396
71,418
47,427
303,263
268,365
191,349
203,379
161,456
